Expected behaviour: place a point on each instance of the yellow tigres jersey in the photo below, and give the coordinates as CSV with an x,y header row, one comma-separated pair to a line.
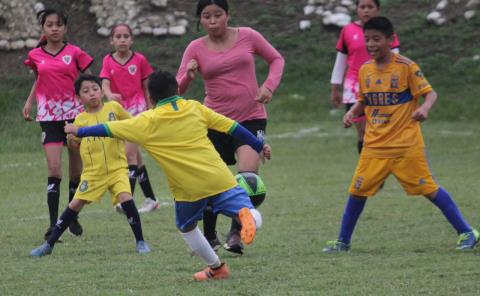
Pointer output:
x,y
390,96
175,135
100,156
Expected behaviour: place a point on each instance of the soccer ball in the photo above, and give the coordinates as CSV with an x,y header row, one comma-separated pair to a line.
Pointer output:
x,y
252,184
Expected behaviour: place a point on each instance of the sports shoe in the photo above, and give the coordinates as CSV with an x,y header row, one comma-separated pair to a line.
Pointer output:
x,y
249,227
467,240
149,205
336,246
142,247
212,274
41,251
234,243
119,209
75,228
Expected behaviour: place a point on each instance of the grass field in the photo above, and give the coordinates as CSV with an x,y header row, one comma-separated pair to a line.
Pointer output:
x,y
402,245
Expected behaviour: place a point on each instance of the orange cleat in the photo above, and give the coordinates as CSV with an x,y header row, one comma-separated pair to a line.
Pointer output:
x,y
212,274
249,227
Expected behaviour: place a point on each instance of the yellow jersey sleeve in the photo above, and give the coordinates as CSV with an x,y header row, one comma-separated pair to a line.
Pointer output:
x,y
134,130
120,111
417,82
217,121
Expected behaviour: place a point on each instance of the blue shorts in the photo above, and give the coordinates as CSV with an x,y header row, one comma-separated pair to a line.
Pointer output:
x,y
228,203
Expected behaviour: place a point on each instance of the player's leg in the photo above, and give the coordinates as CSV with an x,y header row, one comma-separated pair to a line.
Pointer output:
x,y
53,154
187,214
369,175
75,170
150,204
131,150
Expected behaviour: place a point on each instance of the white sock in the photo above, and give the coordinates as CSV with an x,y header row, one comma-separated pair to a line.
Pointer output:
x,y
258,217
200,246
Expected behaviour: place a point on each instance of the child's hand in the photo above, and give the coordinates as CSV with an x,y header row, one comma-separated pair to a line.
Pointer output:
x,y
115,97
421,114
26,110
264,95
70,129
192,68
348,119
72,141
266,153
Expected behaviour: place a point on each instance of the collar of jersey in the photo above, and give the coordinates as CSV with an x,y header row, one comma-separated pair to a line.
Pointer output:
x,y
168,100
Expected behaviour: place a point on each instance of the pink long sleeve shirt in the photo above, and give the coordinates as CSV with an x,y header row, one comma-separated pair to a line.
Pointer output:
x,y
229,76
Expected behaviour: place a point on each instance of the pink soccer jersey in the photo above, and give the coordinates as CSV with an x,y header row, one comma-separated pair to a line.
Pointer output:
x,y
127,80
352,43
54,84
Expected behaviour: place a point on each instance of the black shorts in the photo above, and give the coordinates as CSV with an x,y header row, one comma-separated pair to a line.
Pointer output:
x,y
226,145
53,132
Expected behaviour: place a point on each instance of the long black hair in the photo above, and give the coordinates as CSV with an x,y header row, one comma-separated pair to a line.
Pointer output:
x,y
42,18
377,2
201,4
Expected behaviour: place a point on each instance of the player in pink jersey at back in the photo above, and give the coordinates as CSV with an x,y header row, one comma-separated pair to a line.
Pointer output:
x,y
56,65
351,55
124,73
225,58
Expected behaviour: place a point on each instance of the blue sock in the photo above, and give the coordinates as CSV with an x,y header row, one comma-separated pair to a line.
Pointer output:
x,y
450,210
353,209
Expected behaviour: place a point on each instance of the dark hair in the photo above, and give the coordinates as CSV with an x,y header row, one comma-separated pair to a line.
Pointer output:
x,y
377,2
162,85
85,77
112,31
42,18
204,3
381,24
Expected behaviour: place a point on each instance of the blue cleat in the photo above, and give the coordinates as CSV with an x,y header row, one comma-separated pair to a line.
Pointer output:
x,y
336,246
142,247
41,251
468,240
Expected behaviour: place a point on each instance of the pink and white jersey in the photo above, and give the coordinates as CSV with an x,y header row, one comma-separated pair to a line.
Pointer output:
x,y
127,80
56,74
229,76
352,43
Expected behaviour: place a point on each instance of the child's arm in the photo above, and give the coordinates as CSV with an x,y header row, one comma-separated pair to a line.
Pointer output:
x,y
356,110
243,134
29,103
147,94
421,114
108,91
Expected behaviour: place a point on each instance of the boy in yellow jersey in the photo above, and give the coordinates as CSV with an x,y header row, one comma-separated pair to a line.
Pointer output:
x,y
175,135
104,165
390,88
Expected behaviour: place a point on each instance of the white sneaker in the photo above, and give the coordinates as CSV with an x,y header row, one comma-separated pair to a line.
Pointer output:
x,y
119,209
149,205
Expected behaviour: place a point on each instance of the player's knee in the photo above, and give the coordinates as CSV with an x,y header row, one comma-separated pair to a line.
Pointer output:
x,y
55,169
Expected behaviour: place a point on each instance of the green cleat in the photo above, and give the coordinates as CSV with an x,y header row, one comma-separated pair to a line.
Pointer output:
x,y
468,240
336,246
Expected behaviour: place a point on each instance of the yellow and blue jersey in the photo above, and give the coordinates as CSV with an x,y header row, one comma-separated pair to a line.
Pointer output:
x,y
175,135
391,95
102,156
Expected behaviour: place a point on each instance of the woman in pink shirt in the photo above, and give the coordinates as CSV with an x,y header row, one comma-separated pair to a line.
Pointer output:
x,y
56,65
352,53
124,79
225,58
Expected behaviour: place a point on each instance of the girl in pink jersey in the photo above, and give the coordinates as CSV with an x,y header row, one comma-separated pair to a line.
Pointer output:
x,y
56,65
124,75
225,58
352,53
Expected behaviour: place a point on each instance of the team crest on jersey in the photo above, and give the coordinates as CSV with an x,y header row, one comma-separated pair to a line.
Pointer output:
x,y
84,186
111,116
67,59
132,69
379,81
394,81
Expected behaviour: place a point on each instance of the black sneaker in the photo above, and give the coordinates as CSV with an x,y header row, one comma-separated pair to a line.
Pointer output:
x,y
234,243
75,228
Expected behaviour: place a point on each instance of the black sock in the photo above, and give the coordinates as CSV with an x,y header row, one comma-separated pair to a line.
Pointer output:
x,y
133,218
65,219
209,224
72,188
53,196
144,181
132,176
359,146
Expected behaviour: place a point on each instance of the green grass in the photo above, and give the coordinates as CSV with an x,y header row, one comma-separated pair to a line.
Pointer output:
x,y
402,245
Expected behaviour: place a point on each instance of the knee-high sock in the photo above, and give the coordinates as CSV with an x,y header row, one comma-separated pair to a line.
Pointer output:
x,y
53,196
132,176
450,210
200,246
353,210
133,218
144,181
72,188
209,224
65,219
